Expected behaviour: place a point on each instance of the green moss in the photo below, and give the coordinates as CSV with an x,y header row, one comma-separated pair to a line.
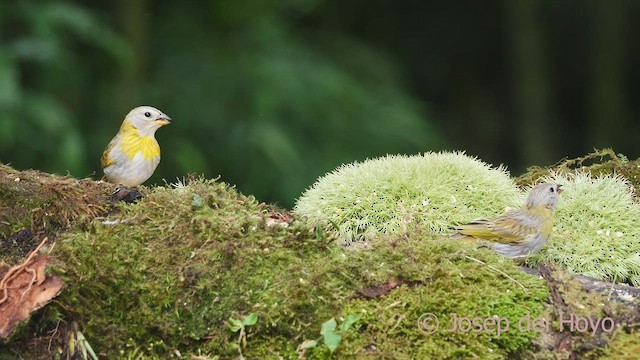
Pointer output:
x,y
598,163
447,281
165,275
168,273
624,346
383,195
596,232
34,204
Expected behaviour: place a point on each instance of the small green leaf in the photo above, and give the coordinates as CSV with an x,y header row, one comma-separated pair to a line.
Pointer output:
x,y
235,325
328,326
348,322
623,158
332,340
308,344
251,319
335,225
90,352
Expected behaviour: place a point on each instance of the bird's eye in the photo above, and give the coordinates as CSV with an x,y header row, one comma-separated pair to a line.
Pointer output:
x,y
552,190
147,114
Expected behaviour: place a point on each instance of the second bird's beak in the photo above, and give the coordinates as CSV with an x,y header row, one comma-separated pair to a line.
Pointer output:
x,y
164,120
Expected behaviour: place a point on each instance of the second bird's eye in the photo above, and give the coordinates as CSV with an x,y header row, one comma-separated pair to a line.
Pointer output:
x,y
147,114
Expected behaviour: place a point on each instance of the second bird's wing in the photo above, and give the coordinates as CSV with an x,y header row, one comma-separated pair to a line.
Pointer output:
x,y
514,226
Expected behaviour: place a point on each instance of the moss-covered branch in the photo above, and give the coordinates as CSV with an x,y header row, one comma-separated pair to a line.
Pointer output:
x,y
167,275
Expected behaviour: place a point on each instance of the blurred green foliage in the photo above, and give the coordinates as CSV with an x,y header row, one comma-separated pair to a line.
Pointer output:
x,y
42,77
256,96
273,94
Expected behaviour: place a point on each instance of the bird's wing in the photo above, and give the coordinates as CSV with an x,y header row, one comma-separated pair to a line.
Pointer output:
x,y
106,160
478,229
509,228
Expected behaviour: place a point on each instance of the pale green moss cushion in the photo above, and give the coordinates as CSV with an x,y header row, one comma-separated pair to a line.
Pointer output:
x,y
384,195
596,231
596,223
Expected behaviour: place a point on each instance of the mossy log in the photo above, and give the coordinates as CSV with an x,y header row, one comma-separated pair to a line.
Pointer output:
x,y
35,204
170,275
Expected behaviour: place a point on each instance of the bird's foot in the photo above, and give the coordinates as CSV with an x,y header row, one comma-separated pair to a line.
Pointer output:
x,y
126,195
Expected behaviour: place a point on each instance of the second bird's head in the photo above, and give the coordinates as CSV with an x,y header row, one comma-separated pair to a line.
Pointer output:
x,y
544,194
147,119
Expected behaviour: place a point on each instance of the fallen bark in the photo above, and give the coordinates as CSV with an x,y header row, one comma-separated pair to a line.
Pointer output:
x,y
25,288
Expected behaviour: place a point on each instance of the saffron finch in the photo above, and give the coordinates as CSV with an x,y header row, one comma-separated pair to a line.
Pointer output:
x,y
133,154
518,232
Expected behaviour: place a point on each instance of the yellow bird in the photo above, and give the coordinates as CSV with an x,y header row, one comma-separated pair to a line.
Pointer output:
x,y
518,232
133,154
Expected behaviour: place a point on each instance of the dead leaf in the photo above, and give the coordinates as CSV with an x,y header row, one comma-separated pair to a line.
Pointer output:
x,y
24,289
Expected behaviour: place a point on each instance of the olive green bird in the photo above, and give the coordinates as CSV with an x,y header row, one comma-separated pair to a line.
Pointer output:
x,y
518,232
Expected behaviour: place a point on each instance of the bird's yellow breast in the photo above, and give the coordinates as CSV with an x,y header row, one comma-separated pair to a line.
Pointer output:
x,y
546,215
132,143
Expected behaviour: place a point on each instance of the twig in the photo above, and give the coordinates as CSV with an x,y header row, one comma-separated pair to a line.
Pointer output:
x,y
55,331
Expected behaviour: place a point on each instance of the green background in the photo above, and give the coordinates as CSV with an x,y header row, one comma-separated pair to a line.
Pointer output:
x,y
271,95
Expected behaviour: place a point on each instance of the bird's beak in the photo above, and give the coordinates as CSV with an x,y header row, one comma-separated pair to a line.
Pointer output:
x,y
163,120
560,189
